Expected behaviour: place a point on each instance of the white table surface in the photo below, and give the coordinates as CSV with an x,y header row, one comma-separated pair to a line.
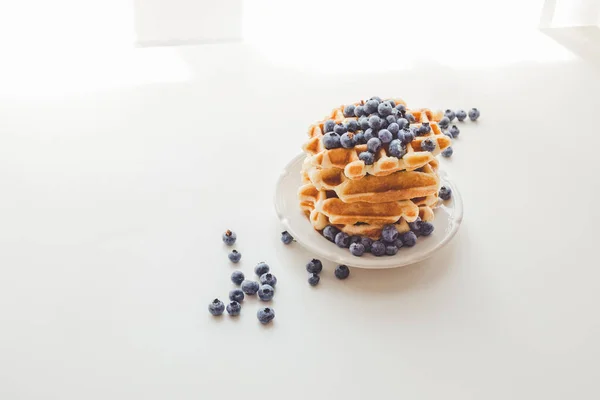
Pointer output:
x,y
113,199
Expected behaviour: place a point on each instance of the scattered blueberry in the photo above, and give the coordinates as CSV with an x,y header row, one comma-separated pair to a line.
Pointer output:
x,y
360,138
355,239
340,129
342,272
454,131
342,240
397,149
216,307
352,125
373,145
237,277
266,292
348,140
391,250
261,268
331,140
385,136
371,106
349,110
406,136
415,226
313,279
389,233
426,228
445,193
378,248
461,115
234,256
473,114
236,295
428,145
250,287
314,266
448,134
411,118
265,315
357,249
394,128
328,125
424,129
367,242
359,111
367,157
286,238
369,134
375,122
448,151
363,122
384,123
444,122
268,279
229,237
330,231
402,123
449,114
384,108
391,119
398,243
409,239
234,308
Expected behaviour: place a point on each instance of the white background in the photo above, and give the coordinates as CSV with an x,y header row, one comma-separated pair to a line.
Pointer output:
x,y
121,167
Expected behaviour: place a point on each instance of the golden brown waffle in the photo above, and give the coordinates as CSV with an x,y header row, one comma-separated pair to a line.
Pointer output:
x,y
354,168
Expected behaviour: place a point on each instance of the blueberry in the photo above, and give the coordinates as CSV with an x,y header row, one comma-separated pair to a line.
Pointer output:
x,y
448,151
371,106
401,108
428,145
328,126
375,122
454,131
229,237
216,307
367,157
268,279
385,136
340,129
391,250
449,114
409,239
363,122
349,110
265,315
426,228
236,295
411,118
392,103
250,287
360,138
266,292
313,279
237,277
391,119
461,115
377,98
330,231
406,136
261,268
347,140
352,125
415,226
445,193
424,129
234,308
359,111
384,108
394,128
286,238
396,113
473,114
389,233
234,256
373,145
331,140
314,266
354,239
357,249
402,123
367,242
378,248
444,122
448,134
384,123
398,243
342,272
369,134
397,149
342,239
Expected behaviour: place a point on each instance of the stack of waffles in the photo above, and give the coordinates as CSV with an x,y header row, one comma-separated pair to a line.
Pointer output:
x,y
339,189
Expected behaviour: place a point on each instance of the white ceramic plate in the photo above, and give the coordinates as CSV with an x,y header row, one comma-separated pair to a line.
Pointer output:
x,y
447,220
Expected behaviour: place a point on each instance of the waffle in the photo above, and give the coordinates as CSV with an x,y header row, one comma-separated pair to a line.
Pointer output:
x,y
348,161
401,185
